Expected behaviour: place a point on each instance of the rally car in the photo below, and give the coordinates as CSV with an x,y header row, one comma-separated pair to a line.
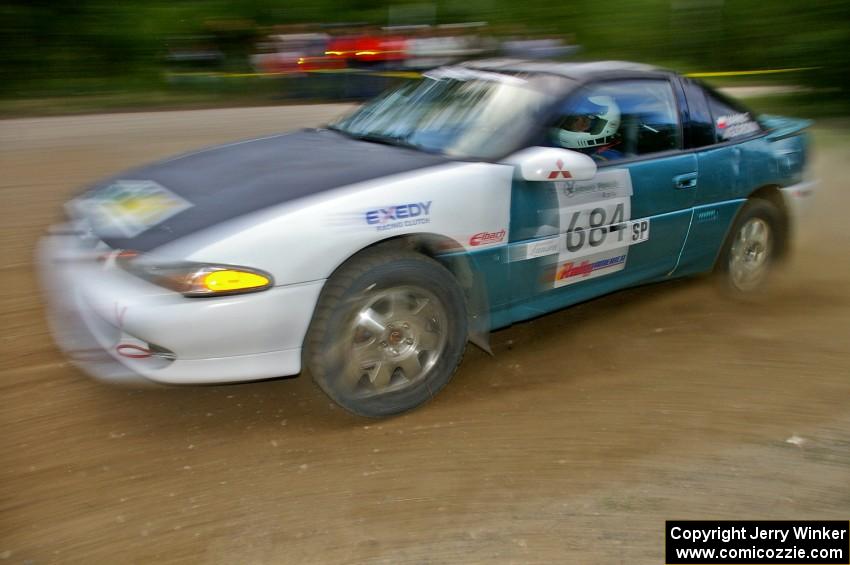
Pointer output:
x,y
372,250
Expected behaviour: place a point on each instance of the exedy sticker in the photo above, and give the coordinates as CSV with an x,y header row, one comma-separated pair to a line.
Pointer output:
x,y
399,215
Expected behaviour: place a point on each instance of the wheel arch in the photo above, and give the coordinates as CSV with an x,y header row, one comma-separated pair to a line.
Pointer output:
x,y
772,193
452,255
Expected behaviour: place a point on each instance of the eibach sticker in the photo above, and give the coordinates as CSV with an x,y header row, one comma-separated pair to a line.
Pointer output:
x,y
487,237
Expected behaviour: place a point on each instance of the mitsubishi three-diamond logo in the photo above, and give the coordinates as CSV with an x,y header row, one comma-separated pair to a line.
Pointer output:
x,y
560,172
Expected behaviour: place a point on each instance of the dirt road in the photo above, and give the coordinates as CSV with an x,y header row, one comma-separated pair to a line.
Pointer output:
x,y
573,444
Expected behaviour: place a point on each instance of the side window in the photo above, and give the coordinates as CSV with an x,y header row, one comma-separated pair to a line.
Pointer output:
x,y
731,120
619,119
700,130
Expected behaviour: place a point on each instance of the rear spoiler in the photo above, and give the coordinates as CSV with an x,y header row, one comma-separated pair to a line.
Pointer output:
x,y
780,127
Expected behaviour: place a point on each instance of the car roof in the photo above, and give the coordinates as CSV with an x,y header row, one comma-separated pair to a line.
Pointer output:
x,y
574,70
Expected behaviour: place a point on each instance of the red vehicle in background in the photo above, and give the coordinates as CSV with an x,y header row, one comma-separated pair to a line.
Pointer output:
x,y
360,47
295,53
375,49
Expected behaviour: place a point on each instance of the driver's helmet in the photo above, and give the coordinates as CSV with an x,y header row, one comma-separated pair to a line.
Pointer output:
x,y
592,123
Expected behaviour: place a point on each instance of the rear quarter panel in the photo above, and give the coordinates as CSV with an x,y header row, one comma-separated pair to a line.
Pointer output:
x,y
728,176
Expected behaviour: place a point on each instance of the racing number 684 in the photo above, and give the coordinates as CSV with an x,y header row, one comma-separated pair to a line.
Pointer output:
x,y
597,233
601,226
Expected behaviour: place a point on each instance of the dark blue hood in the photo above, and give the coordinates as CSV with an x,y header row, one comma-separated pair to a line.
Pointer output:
x,y
236,179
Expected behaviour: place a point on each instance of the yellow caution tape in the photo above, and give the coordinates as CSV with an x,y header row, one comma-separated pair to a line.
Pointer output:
x,y
748,73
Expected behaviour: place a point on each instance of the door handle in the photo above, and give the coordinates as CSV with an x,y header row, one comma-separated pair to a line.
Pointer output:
x,y
687,180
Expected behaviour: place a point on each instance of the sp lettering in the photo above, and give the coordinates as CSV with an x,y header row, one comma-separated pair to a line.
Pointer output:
x,y
640,231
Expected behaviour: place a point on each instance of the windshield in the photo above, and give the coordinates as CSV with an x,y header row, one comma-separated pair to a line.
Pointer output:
x,y
457,112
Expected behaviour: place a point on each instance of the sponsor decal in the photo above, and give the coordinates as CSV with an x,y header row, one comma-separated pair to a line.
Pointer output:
x,y
605,189
594,220
487,237
399,216
571,269
534,249
543,248
596,227
735,125
600,228
126,208
559,171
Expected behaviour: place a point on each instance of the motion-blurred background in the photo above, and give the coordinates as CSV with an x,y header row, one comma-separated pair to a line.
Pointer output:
x,y
90,55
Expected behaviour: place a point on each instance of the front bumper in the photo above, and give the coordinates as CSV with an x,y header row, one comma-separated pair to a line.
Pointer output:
x,y
102,317
798,198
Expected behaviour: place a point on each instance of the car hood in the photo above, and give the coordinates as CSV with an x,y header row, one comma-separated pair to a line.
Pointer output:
x,y
147,207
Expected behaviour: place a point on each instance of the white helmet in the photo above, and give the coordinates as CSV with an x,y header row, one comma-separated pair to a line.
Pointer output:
x,y
604,116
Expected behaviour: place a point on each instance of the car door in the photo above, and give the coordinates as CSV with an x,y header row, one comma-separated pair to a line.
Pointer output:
x,y
572,240
727,141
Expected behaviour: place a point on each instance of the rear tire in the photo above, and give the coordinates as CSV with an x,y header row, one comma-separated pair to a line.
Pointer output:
x,y
754,244
389,332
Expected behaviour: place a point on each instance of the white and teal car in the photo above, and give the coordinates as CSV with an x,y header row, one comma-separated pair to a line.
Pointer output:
x,y
371,251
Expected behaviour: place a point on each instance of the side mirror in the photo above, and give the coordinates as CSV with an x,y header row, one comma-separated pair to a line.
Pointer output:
x,y
552,164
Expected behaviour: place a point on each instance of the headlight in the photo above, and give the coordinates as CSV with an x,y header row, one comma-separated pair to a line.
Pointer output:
x,y
196,279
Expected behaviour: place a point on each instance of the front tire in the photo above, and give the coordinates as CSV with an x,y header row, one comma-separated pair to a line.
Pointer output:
x,y
389,332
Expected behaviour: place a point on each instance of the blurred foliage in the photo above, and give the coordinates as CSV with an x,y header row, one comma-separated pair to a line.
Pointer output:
x,y
67,47
801,105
